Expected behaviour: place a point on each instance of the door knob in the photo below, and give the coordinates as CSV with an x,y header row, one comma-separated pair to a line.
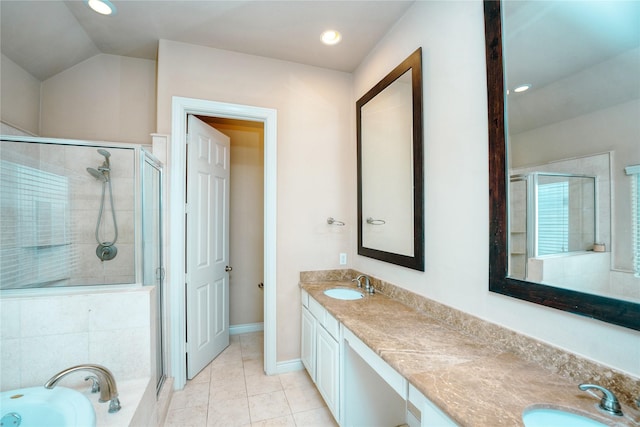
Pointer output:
x,y
228,268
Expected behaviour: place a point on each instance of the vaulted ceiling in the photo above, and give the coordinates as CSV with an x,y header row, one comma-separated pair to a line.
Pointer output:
x,y
46,37
582,55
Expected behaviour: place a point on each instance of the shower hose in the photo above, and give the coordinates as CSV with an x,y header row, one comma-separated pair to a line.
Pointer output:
x,y
113,215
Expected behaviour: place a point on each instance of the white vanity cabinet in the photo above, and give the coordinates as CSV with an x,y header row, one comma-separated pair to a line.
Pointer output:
x,y
320,352
358,386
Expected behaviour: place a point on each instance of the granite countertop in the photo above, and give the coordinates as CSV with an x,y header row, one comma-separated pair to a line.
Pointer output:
x,y
473,383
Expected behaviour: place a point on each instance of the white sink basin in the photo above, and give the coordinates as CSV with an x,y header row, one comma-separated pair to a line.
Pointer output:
x,y
556,417
343,293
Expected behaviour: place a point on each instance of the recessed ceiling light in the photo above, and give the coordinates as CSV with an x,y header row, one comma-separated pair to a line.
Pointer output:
x,y
522,88
103,7
331,37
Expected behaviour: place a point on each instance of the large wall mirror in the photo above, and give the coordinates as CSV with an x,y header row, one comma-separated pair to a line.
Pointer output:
x,y
564,103
390,175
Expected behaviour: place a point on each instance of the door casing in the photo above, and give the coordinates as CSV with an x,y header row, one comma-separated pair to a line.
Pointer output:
x,y
180,108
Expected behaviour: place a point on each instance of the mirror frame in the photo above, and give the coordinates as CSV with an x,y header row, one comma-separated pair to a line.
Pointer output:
x,y
610,310
416,262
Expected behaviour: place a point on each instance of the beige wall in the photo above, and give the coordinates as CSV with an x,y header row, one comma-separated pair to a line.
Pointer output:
x,y
315,154
19,97
456,185
106,97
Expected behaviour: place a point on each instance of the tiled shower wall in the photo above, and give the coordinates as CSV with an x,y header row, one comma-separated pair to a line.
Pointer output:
x,y
84,196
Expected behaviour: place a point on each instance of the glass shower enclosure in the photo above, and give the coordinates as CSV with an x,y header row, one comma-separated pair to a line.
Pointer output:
x,y
82,215
550,214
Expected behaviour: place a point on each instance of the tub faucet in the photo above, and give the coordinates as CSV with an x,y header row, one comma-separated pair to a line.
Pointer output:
x,y
108,389
609,401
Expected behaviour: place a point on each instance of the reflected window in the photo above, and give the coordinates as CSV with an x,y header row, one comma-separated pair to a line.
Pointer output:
x,y
553,218
634,171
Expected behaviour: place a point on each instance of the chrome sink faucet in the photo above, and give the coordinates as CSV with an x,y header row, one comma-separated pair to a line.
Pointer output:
x,y
609,401
367,283
108,389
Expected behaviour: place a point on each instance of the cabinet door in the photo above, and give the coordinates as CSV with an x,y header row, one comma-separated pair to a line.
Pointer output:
x,y
327,374
308,350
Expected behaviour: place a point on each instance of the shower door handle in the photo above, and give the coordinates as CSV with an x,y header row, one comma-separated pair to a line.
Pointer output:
x,y
228,268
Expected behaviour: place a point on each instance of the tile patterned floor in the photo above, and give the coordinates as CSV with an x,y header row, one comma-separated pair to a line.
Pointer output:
x,y
234,391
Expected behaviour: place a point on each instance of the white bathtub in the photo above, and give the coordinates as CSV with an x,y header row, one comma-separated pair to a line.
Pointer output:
x,y
38,406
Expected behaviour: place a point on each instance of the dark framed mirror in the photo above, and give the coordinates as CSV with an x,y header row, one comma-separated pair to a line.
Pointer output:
x,y
620,311
390,167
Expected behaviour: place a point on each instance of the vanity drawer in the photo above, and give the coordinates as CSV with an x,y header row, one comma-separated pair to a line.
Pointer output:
x,y
428,413
317,310
332,325
323,317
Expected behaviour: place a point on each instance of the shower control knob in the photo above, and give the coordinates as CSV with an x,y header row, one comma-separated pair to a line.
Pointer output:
x,y
106,252
228,268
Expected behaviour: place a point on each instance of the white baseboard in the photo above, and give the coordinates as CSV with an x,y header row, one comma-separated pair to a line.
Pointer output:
x,y
289,366
246,328
281,367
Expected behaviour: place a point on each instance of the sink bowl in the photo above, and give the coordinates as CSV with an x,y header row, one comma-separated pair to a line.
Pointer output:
x,y
543,417
343,293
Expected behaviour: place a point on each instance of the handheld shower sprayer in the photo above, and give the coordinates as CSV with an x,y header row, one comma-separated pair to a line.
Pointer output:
x,y
106,250
105,153
106,165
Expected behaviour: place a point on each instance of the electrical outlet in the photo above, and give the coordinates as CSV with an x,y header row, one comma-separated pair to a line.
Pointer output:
x,y
343,258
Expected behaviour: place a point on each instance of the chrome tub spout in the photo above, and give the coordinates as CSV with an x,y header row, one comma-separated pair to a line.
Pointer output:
x,y
108,389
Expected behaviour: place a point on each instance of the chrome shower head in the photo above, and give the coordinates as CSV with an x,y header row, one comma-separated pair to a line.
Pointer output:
x,y
97,174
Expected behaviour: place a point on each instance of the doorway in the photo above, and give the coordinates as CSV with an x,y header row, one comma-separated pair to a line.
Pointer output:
x,y
246,302
181,107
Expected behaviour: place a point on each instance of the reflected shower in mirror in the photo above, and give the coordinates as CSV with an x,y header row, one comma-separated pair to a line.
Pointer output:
x,y
390,195
565,122
564,102
552,216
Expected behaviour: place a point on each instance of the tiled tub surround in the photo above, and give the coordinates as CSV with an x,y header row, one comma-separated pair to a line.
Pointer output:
x,y
477,372
51,330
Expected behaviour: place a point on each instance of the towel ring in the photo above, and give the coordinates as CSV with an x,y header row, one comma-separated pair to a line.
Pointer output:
x,y
332,221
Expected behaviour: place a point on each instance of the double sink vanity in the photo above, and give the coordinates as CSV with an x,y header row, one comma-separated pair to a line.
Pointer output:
x,y
380,362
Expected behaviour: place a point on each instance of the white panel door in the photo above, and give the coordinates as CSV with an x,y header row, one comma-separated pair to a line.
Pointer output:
x,y
207,245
